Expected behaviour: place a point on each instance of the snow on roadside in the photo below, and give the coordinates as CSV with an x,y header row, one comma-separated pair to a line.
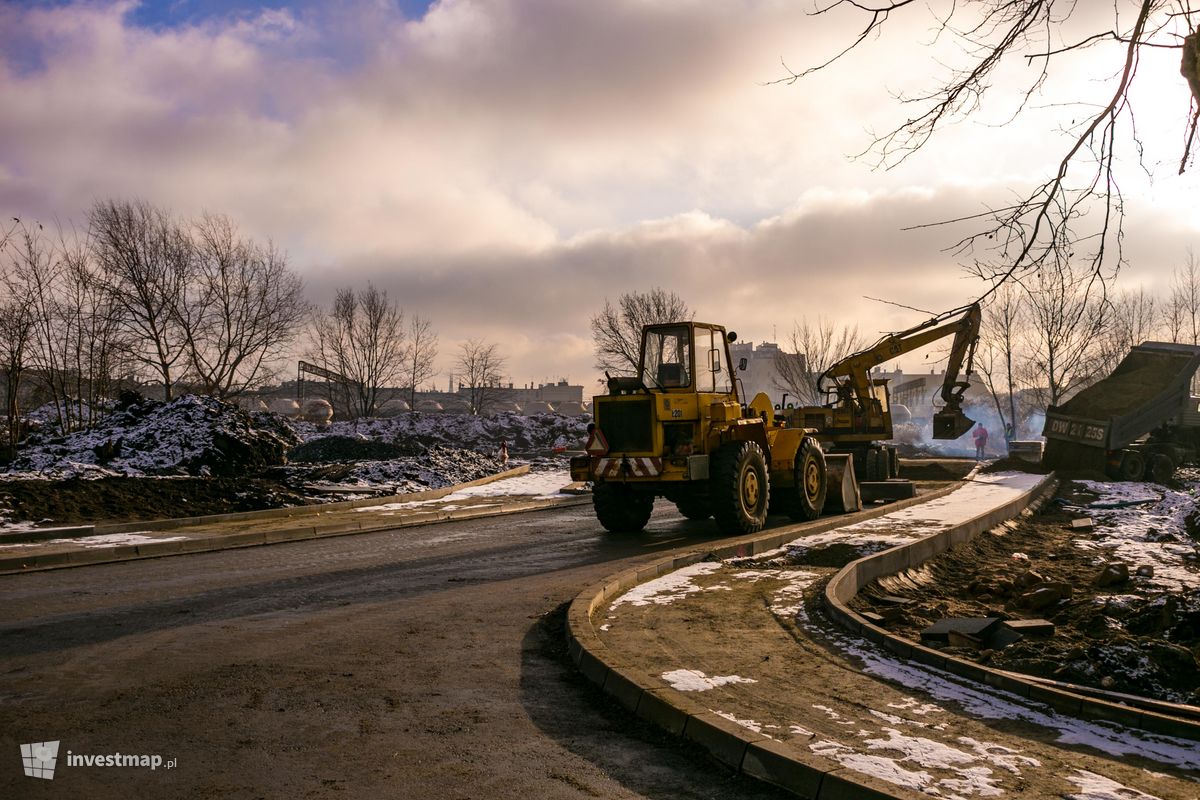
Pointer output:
x,y
984,491
538,485
693,680
1153,532
102,540
669,588
1098,787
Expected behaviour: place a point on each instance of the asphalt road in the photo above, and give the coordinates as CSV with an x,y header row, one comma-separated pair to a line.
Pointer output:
x,y
426,662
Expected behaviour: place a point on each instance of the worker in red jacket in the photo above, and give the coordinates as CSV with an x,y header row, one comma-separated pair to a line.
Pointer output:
x,y
981,436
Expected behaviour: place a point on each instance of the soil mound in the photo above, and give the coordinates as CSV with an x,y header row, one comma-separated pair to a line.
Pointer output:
x,y
349,448
191,435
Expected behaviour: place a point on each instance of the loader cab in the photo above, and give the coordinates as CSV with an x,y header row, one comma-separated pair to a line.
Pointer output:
x,y
686,357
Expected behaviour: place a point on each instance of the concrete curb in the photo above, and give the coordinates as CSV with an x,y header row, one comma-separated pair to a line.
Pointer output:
x,y
737,747
1170,719
80,557
43,534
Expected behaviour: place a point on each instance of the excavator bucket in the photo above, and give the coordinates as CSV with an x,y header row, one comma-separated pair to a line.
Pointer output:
x,y
951,423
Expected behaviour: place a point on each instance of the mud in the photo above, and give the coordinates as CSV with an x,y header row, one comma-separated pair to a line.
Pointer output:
x,y
1124,637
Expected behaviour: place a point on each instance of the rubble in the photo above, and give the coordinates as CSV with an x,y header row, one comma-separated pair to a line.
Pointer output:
x,y
192,435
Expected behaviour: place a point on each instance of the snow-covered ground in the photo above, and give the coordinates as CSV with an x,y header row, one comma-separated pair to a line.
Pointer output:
x,y
982,492
543,484
190,435
1146,524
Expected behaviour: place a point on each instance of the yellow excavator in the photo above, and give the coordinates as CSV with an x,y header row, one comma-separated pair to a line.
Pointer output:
x,y
679,429
857,417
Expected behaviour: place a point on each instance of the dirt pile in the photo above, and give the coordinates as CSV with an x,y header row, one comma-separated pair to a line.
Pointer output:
x,y
191,435
120,499
431,469
1138,379
1126,618
523,434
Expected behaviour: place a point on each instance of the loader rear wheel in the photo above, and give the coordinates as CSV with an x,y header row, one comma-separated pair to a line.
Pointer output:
x,y
1133,466
1161,468
876,465
740,488
620,509
694,507
812,481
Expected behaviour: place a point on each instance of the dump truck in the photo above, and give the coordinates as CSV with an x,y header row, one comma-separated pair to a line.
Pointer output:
x,y
857,419
679,430
1140,422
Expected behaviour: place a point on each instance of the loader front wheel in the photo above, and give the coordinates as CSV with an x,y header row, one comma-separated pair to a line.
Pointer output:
x,y
812,481
740,488
620,509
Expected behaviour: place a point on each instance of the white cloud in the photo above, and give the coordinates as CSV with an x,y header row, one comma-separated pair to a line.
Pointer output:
x,y
502,165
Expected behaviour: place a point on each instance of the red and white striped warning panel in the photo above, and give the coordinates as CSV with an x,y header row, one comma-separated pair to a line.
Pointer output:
x,y
639,467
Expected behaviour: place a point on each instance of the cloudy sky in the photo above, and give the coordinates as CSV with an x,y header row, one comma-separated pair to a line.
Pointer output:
x,y
502,166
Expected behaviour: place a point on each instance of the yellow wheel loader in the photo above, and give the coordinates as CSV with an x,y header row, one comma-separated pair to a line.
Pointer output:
x,y
678,430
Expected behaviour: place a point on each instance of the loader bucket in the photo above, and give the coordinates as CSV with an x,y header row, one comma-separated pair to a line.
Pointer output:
x,y
842,494
951,423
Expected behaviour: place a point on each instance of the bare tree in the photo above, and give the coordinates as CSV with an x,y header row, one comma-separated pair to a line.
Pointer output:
x,y
1076,213
1064,327
16,335
146,259
1182,315
94,349
1132,317
617,329
481,367
815,346
996,358
242,310
419,360
362,337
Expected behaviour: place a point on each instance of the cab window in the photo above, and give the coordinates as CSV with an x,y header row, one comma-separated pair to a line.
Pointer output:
x,y
667,358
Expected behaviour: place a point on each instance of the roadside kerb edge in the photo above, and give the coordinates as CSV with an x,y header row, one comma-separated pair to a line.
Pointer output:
x,y
737,747
43,534
19,565
1155,716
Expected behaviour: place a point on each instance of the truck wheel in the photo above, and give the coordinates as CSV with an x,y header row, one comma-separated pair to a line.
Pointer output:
x,y
620,509
1133,466
812,481
893,462
1161,468
740,489
694,507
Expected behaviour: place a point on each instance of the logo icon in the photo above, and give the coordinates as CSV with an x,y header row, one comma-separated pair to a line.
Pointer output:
x,y
39,759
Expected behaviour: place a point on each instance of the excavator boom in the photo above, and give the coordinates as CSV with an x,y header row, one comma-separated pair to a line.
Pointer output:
x,y
854,371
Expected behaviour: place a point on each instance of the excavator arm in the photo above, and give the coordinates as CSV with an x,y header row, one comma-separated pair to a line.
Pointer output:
x,y
853,373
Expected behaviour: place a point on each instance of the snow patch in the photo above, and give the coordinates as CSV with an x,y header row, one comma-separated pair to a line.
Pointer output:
x,y
1097,787
669,588
693,680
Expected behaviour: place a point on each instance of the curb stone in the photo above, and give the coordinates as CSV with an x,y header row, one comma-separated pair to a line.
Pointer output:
x,y
1155,716
42,534
18,565
779,763
737,747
